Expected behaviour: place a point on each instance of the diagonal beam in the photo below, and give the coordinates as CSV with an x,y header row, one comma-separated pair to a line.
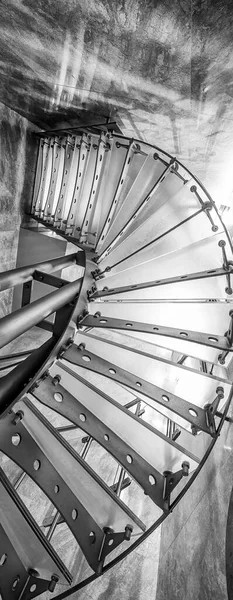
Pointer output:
x,y
137,211
188,411
70,223
72,408
205,339
14,577
103,147
48,521
50,461
157,283
26,534
45,178
70,148
39,170
58,157
31,458
134,451
179,364
130,149
150,243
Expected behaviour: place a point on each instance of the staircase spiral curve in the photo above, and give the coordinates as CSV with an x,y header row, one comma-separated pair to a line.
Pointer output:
x,y
111,418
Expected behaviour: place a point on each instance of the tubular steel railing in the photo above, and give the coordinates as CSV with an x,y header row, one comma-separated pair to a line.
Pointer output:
x,y
63,302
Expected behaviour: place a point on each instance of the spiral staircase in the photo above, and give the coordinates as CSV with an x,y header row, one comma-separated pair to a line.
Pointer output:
x,y
114,415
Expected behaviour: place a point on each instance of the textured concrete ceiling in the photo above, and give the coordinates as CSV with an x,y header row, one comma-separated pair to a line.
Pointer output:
x,y
163,69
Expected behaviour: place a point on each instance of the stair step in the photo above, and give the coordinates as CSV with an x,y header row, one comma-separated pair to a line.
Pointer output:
x,y
42,150
132,342
136,203
129,439
173,225
104,147
212,321
168,377
26,537
110,182
45,178
68,179
126,175
105,180
59,148
181,258
84,184
51,462
69,223
171,402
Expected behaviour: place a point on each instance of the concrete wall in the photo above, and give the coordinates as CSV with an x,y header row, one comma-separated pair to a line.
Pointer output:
x,y
192,551
17,160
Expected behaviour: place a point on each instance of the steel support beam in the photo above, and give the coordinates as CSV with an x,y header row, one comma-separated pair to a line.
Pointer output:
x,y
70,223
156,239
205,339
49,520
107,125
48,279
138,211
220,272
26,536
55,481
14,578
46,325
130,149
180,363
188,411
56,209
103,146
26,293
57,145
71,408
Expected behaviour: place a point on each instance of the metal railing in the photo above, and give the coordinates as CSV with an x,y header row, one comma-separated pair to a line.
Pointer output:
x,y
62,302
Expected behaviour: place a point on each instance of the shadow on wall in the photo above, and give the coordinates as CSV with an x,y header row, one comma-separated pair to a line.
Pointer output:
x,y
16,176
166,66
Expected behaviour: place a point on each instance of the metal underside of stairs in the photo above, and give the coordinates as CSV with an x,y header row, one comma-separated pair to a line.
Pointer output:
x,y
136,361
